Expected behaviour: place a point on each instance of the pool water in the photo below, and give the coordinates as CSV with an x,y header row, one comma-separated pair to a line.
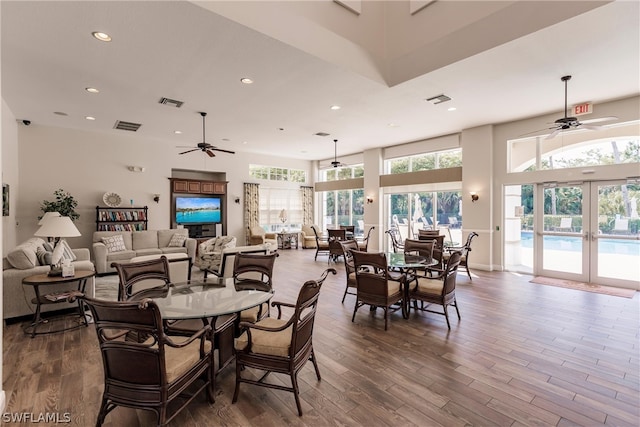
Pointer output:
x,y
574,244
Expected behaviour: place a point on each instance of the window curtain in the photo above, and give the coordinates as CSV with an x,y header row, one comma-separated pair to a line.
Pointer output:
x,y
307,205
251,207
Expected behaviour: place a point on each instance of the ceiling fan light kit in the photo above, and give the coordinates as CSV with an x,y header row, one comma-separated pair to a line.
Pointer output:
x,y
205,146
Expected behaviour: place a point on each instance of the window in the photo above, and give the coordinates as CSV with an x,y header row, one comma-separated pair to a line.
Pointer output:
x,y
346,172
277,174
613,144
426,161
272,201
343,207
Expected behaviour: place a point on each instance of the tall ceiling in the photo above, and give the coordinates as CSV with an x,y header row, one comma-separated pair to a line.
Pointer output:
x,y
497,61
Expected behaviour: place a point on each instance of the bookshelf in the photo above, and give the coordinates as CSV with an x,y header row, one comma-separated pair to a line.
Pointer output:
x,y
121,219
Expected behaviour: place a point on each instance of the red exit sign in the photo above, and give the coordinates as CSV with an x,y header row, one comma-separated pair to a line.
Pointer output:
x,y
580,109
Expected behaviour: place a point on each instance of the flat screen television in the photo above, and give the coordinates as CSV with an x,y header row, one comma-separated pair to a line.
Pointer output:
x,y
198,210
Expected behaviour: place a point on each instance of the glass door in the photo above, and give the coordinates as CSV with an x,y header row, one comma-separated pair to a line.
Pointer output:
x,y
563,249
614,237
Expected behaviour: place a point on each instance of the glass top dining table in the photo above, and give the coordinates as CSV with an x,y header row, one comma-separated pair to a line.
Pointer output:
x,y
202,298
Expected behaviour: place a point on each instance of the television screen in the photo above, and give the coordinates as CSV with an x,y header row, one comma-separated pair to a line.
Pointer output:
x,y
198,210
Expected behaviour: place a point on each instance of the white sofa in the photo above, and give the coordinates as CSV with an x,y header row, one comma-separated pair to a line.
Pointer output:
x,y
22,262
139,243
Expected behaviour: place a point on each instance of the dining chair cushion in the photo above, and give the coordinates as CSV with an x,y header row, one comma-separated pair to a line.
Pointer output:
x,y
267,342
393,287
251,314
430,286
179,360
352,278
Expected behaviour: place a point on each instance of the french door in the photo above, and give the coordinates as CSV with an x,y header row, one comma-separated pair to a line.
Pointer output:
x,y
588,232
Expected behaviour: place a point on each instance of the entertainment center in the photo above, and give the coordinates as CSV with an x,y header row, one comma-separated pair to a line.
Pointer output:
x,y
199,206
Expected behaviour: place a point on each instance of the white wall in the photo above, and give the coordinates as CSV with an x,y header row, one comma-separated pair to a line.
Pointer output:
x,y
9,175
88,164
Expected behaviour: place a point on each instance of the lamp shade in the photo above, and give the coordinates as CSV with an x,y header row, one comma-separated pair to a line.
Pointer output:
x,y
283,215
48,215
58,226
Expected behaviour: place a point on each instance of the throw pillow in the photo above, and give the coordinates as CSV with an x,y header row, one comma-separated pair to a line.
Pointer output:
x,y
114,243
177,240
67,253
44,256
47,246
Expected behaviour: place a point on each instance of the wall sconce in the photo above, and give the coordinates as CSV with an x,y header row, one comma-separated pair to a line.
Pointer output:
x,y
369,200
156,198
237,200
474,196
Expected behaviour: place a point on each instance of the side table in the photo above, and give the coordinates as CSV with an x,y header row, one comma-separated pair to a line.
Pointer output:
x,y
287,240
39,280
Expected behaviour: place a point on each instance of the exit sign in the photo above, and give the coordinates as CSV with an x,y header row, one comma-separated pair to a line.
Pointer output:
x,y
580,109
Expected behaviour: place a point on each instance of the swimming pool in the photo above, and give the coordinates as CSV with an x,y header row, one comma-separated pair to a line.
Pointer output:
x,y
574,244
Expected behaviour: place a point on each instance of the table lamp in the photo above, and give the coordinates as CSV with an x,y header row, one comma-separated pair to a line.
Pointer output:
x,y
57,227
283,216
48,215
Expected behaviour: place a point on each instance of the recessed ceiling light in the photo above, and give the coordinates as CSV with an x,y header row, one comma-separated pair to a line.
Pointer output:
x,y
244,142
91,90
246,80
60,113
451,109
90,118
225,139
177,132
335,107
103,37
393,125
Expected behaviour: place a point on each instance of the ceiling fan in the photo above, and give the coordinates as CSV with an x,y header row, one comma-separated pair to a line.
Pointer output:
x,y
335,162
205,146
566,122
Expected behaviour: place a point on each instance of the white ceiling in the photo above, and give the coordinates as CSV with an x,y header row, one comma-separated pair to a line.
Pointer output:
x,y
180,50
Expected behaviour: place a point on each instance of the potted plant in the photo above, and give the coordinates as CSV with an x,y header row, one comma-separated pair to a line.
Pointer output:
x,y
64,203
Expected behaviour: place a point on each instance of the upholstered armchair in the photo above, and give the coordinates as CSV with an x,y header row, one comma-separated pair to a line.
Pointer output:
x,y
210,252
308,237
257,236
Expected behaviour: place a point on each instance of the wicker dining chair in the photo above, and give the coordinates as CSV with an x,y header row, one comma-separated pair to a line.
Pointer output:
x,y
276,345
322,245
349,267
376,287
440,290
148,374
254,272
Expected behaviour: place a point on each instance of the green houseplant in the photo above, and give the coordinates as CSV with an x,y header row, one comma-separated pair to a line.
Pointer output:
x,y
64,203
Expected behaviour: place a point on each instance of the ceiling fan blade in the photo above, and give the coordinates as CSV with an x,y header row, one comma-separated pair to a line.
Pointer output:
x,y
599,120
554,133
188,151
224,151
590,127
210,153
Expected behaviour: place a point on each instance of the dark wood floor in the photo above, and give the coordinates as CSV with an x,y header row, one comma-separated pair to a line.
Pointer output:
x,y
523,354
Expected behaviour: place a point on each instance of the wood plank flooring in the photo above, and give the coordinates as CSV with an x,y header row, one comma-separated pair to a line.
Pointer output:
x,y
523,355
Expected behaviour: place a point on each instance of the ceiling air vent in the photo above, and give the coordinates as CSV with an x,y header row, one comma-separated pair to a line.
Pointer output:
x,y
127,126
438,99
321,134
171,102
